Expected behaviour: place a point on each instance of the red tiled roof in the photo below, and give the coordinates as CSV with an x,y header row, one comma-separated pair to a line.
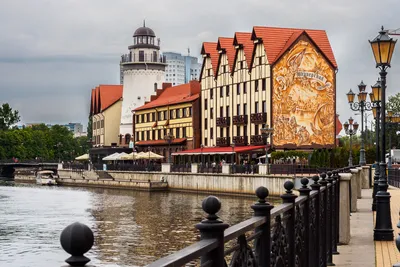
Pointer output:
x,y
226,44
160,142
277,40
210,49
339,126
103,96
219,150
244,38
174,95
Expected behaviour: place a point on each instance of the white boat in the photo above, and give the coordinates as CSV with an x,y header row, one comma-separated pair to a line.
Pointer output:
x,y
46,178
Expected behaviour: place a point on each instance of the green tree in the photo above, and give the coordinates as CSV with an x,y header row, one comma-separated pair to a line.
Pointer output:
x,y
394,103
89,128
8,117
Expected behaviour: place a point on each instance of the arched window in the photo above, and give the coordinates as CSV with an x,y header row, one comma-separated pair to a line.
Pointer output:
x,y
127,139
155,87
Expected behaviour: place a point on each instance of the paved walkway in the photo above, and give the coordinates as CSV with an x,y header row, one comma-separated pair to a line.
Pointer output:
x,y
386,251
361,251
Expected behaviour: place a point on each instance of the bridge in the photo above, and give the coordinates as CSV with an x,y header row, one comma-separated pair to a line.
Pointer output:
x,y
7,169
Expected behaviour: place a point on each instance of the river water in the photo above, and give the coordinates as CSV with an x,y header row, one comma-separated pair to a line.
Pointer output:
x,y
131,228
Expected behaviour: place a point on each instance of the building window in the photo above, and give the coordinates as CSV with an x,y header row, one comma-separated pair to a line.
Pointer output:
x,y
184,132
211,133
98,124
141,56
171,113
244,109
211,113
142,134
205,141
155,57
137,118
190,111
205,104
165,132
127,139
205,124
237,109
165,115
256,85
102,123
153,116
227,111
211,93
148,117
142,120
177,132
245,130
238,130
221,111
184,112
260,61
221,91
137,137
256,130
148,135
264,84
221,132
159,116
159,137
238,88
244,88
209,72
227,90
256,107
241,64
153,135
264,106
178,113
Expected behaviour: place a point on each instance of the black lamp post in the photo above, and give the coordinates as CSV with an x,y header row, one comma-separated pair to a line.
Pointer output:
x,y
169,138
362,105
233,156
351,129
383,47
376,111
266,133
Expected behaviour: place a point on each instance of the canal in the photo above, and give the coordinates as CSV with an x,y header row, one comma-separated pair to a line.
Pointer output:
x,y
131,228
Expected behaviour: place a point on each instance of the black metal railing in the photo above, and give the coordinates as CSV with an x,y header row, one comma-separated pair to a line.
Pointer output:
x,y
244,169
394,177
181,168
210,169
296,169
75,166
303,231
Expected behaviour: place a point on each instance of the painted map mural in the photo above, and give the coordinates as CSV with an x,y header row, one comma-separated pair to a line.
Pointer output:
x,y
303,98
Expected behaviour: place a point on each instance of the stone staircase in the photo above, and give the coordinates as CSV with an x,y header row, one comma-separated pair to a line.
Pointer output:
x,y
104,175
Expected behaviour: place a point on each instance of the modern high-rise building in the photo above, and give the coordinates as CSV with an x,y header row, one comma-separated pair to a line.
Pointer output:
x,y
181,69
143,71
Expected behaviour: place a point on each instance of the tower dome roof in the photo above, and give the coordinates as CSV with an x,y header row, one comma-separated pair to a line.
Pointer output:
x,y
144,31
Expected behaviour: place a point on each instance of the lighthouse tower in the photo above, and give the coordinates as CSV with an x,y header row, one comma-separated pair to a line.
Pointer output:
x,y
143,70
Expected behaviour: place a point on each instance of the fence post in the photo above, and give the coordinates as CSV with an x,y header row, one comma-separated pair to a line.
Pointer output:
x,y
263,242
305,191
324,214
213,228
344,210
316,186
330,233
398,243
77,239
289,197
335,213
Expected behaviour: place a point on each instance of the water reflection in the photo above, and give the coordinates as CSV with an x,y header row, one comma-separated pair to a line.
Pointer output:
x,y
131,228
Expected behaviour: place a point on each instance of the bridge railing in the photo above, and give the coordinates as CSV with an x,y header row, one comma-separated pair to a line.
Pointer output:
x,y
394,177
303,231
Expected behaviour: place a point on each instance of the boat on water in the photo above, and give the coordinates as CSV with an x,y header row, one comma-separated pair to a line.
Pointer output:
x,y
46,178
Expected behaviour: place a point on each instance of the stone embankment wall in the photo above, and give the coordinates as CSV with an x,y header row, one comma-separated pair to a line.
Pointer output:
x,y
238,184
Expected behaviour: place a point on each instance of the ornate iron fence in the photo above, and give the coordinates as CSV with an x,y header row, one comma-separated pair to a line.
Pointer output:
x,y
244,169
301,232
394,177
181,168
296,169
206,169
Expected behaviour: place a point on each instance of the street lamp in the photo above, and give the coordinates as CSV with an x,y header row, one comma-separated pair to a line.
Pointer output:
x,y
362,105
376,111
233,155
382,48
266,133
351,129
169,138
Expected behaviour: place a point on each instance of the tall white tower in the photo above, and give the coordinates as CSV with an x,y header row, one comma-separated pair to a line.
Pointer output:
x,y
143,71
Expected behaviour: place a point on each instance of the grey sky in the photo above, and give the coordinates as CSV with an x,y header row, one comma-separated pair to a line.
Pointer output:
x,y
53,52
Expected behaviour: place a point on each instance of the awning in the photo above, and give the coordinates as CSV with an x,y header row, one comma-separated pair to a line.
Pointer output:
x,y
149,155
160,142
131,156
220,150
112,156
83,157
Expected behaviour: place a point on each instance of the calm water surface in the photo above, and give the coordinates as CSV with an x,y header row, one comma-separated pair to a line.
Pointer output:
x,y
131,228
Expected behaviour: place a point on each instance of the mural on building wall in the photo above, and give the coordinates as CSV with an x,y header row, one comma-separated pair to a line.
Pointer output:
x,y
303,98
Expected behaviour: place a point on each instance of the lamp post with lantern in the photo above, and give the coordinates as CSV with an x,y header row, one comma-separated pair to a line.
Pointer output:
x,y
350,128
375,97
362,105
169,138
266,133
382,47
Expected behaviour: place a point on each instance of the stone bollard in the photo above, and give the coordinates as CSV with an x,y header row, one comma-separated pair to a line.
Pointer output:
x,y
77,239
195,167
344,207
226,168
365,177
353,189
398,242
166,167
213,228
359,181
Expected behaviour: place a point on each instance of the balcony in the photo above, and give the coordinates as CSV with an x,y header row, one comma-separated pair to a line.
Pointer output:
x,y
240,120
257,140
223,121
240,140
223,141
148,58
258,118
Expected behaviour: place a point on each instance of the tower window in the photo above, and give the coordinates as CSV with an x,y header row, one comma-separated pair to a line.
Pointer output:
x,y
141,56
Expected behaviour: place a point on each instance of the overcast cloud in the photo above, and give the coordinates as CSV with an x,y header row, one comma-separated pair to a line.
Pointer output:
x,y
52,52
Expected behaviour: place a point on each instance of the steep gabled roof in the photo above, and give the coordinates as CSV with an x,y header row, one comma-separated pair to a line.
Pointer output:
x,y
210,49
174,95
277,40
226,45
244,39
109,94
